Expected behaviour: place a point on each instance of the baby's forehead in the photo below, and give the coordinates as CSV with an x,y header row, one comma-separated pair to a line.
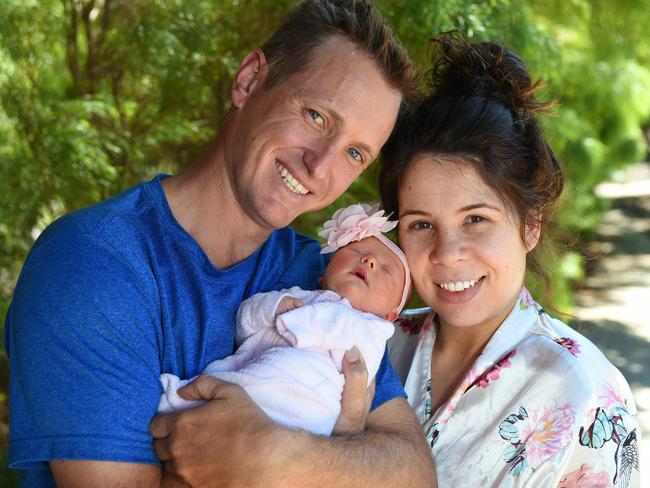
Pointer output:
x,y
367,243
382,250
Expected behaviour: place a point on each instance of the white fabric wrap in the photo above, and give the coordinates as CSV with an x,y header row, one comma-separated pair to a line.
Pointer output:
x,y
291,364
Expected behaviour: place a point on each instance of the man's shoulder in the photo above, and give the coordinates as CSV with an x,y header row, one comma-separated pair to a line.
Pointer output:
x,y
125,214
116,234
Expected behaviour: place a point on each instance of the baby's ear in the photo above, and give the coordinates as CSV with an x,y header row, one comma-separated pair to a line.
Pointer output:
x,y
391,316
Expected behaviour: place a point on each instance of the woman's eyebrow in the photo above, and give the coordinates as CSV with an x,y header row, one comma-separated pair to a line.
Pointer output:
x,y
474,206
406,213
466,208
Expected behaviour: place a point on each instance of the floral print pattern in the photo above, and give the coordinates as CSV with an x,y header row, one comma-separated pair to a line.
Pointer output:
x,y
448,408
493,373
526,301
570,345
524,415
536,436
607,396
427,401
584,477
432,433
609,426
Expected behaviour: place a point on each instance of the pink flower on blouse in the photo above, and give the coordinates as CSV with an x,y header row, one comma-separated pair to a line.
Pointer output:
x,y
493,373
448,408
415,324
607,396
584,477
526,299
490,375
546,431
428,322
608,399
570,345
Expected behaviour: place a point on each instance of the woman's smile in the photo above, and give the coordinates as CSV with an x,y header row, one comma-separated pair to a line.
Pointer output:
x,y
456,292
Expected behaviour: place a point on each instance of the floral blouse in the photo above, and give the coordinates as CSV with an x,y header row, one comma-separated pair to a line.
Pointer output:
x,y
541,406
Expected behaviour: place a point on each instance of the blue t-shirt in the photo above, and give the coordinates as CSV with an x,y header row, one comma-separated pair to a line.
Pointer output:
x,y
109,298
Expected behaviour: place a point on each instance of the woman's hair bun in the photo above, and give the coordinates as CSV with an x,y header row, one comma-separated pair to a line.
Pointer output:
x,y
483,69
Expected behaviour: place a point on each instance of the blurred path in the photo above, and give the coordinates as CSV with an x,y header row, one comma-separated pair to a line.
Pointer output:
x,y
613,309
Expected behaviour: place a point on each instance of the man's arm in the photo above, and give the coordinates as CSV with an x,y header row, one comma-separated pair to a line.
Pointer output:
x,y
248,449
85,363
391,451
72,474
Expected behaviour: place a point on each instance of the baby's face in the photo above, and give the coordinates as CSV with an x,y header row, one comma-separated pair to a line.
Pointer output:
x,y
369,275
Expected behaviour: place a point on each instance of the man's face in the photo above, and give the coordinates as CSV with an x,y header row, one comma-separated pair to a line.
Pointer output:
x,y
297,146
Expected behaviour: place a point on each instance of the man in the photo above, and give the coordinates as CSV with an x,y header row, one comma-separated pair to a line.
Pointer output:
x,y
149,282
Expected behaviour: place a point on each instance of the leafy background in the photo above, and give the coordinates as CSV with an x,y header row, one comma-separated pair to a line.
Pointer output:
x,y
97,95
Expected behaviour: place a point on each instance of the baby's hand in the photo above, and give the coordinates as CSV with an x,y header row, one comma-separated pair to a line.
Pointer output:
x,y
288,303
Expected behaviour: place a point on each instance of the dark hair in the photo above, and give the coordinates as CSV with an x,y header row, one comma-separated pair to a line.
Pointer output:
x,y
290,49
481,112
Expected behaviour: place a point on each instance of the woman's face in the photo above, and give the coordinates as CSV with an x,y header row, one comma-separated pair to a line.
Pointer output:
x,y
463,245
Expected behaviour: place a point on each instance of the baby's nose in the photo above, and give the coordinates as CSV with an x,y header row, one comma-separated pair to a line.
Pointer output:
x,y
369,260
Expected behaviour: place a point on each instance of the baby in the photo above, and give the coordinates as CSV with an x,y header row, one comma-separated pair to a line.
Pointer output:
x,y
291,342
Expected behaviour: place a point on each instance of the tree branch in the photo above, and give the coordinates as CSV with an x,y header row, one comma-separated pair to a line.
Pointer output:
x,y
72,47
90,45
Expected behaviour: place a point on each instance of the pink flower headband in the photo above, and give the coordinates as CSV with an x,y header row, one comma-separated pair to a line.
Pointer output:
x,y
356,222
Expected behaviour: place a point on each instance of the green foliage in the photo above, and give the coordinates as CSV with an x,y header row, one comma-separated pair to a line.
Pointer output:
x,y
96,95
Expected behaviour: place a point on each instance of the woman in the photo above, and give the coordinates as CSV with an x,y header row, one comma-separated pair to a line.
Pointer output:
x,y
508,396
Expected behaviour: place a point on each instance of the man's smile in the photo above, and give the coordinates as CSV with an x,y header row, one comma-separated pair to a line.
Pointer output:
x,y
292,183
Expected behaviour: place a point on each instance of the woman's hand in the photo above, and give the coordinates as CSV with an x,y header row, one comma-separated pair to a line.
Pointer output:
x,y
357,395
